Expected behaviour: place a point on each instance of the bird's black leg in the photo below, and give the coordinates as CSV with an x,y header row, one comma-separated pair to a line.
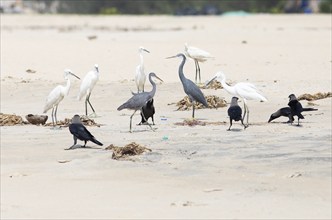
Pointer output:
x,y
75,142
245,111
193,115
230,124
199,71
247,116
152,120
131,117
243,124
86,106
84,143
298,121
90,102
196,71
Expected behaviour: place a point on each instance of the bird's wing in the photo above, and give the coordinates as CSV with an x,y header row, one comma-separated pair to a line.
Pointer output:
x,y
194,92
198,53
249,91
135,102
53,98
79,131
87,84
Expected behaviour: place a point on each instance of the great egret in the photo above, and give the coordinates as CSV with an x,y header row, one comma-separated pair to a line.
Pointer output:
x,y
87,86
198,55
245,90
190,88
57,94
140,99
140,76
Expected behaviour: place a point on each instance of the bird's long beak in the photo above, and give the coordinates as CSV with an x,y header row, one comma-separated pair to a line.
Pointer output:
x,y
210,81
171,57
159,79
75,75
146,50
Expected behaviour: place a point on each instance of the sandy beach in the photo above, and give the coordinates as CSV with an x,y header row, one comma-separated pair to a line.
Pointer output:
x,y
268,171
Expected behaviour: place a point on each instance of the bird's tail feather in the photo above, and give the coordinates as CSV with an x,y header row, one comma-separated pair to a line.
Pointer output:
x,y
309,109
94,140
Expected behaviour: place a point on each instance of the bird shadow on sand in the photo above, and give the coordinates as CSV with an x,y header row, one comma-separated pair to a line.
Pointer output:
x,y
81,147
236,130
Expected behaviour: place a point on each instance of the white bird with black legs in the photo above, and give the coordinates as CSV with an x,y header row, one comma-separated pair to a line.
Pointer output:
x,y
140,76
57,95
244,90
198,55
189,87
140,99
87,86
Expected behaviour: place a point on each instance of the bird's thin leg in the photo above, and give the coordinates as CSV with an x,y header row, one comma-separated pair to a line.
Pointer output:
x,y
131,117
152,120
147,121
56,110
84,143
86,106
193,115
196,71
75,142
247,116
298,121
245,111
53,117
230,124
90,102
199,71
243,124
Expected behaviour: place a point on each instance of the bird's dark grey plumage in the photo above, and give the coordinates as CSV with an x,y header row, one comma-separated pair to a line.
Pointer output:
x,y
140,99
147,112
296,107
189,87
287,112
80,132
235,113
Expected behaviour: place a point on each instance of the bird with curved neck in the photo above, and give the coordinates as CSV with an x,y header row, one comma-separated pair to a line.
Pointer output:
x,y
189,87
140,76
245,90
140,99
57,94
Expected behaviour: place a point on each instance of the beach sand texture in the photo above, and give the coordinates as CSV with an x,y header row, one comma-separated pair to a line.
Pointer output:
x,y
268,171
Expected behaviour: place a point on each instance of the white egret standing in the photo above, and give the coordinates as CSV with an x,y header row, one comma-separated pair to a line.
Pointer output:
x,y
57,94
245,90
87,85
198,55
140,76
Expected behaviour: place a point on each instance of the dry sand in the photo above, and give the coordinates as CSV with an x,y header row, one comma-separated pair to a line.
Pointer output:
x,y
269,171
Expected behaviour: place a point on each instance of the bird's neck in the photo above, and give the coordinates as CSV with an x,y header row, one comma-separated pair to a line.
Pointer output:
x,y
67,86
228,88
154,87
181,75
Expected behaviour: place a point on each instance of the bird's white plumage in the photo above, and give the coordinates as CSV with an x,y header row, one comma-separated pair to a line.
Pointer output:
x,y
140,76
89,82
58,93
196,53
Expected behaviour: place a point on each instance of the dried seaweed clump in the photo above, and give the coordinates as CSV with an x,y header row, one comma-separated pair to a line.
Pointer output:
x,y
123,153
194,122
215,84
84,119
316,96
10,120
212,100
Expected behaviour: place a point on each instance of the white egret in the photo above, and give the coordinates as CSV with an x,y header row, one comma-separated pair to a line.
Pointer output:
x,y
140,76
198,55
87,86
245,90
57,94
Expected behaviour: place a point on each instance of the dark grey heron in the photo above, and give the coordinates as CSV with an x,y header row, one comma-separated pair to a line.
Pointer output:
x,y
235,113
189,87
57,94
140,99
87,86
80,132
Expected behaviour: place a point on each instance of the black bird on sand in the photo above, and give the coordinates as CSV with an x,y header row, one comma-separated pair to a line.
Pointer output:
x,y
287,112
80,132
235,113
147,112
296,108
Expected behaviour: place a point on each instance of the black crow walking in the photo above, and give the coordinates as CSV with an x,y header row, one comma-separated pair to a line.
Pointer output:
x,y
235,113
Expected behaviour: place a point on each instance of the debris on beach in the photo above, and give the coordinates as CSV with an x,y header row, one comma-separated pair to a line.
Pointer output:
x,y
312,97
215,84
212,100
92,37
10,120
36,119
194,122
123,153
84,119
